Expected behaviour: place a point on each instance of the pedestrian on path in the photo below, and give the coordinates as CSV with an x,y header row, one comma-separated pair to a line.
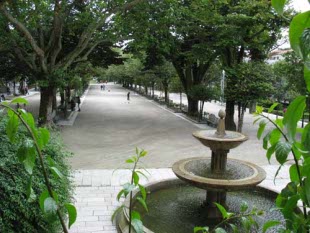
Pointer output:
x,y
72,104
101,87
78,100
128,96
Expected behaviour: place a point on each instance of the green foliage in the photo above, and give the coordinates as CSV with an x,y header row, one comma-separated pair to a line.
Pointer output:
x,y
19,208
134,217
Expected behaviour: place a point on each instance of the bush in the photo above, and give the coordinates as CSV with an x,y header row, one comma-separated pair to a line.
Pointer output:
x,y
17,214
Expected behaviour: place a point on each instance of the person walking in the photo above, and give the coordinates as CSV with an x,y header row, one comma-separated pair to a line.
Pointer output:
x,y
78,101
128,96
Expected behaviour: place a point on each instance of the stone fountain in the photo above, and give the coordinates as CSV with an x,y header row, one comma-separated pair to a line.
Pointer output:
x,y
218,175
178,205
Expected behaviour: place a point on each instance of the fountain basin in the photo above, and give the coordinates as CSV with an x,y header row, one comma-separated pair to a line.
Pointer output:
x,y
238,174
229,141
175,206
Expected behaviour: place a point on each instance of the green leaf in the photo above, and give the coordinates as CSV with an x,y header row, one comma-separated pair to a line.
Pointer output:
x,y
256,120
266,140
294,173
142,191
56,172
137,225
128,188
270,152
29,191
71,213
259,109
278,5
223,211
44,136
305,138
272,107
116,212
269,224
12,126
143,153
307,77
143,203
244,207
220,230
307,189
120,193
42,198
201,229
262,125
275,136
50,206
234,228
135,178
282,150
129,161
293,115
305,46
299,23
19,100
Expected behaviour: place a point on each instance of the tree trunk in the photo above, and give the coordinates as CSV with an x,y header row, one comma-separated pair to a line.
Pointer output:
x,y
62,97
45,112
146,90
181,101
192,106
230,112
68,95
201,110
166,94
241,111
54,103
153,89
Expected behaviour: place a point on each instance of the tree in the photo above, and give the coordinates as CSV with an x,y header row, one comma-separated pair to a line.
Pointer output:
x,y
203,93
35,30
252,81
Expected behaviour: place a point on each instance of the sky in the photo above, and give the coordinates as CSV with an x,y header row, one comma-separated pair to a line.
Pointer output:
x,y
301,5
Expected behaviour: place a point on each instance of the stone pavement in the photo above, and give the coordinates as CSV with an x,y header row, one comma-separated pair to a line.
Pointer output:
x,y
96,192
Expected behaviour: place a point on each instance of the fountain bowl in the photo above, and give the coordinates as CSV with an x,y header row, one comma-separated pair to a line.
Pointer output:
x,y
238,175
175,206
229,141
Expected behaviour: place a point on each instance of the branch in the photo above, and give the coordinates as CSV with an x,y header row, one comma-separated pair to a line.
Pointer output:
x,y
23,30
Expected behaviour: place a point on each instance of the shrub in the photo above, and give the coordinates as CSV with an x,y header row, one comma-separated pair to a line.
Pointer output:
x,y
17,214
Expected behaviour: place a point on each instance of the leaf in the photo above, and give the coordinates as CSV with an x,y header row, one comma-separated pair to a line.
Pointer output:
x,y
244,207
12,126
257,119
272,107
201,229
278,5
137,225
56,172
305,46
305,138
71,213
307,189
120,193
115,213
128,188
220,230
142,191
293,115
30,159
307,77
141,173
299,23
44,136
42,198
265,141
143,203
29,191
282,150
143,153
222,210
269,224
50,206
19,100
129,161
135,178
261,129
293,173
275,136
270,152
259,109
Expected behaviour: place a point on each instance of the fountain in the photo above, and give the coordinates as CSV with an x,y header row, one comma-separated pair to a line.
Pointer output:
x,y
179,205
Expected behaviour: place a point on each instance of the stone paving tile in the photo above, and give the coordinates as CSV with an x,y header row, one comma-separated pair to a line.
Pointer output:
x,y
96,191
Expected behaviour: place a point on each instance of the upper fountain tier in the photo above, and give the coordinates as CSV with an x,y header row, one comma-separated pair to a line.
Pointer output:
x,y
220,139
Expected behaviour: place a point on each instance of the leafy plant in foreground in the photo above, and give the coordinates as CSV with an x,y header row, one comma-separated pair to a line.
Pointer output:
x,y
30,148
286,140
134,216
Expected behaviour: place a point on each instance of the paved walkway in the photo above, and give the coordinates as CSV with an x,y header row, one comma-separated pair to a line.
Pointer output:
x,y
108,129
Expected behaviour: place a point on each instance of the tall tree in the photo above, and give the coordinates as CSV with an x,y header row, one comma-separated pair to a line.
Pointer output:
x,y
35,31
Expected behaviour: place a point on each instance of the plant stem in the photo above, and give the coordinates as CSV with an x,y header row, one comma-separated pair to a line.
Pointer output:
x,y
295,160
47,183
130,199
